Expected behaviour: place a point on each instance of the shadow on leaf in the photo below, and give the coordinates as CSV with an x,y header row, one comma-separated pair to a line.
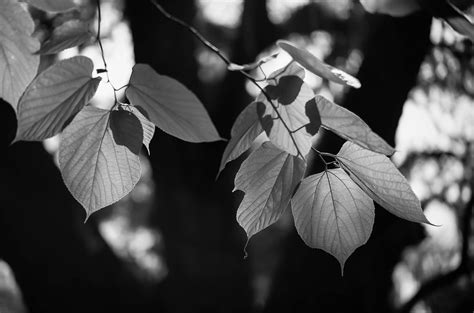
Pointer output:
x,y
265,120
287,89
127,130
312,112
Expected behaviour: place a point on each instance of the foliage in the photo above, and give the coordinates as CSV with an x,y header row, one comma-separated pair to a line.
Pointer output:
x,y
99,150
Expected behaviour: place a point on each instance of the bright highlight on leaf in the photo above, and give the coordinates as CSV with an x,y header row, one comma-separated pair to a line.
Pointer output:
x,y
391,7
245,130
97,169
318,67
296,119
18,65
68,35
333,214
53,5
349,126
171,106
268,177
381,180
54,97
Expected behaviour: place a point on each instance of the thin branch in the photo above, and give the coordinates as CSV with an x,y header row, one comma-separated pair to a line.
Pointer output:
x,y
229,63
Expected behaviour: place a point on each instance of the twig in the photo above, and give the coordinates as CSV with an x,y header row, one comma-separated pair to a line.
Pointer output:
x,y
228,62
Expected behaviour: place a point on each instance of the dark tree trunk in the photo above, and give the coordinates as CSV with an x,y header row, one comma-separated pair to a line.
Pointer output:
x,y
309,280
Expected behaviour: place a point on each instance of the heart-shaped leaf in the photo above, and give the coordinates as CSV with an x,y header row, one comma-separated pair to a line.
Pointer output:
x,y
349,126
18,65
382,181
172,107
54,97
318,67
333,214
268,177
244,131
97,169
70,34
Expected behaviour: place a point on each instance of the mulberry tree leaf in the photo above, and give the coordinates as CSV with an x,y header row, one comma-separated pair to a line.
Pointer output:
x,y
70,34
332,213
381,180
97,169
53,6
296,119
268,177
318,67
172,107
147,126
54,97
18,65
244,131
349,126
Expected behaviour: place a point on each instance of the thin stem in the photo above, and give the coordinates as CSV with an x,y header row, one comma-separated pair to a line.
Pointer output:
x,y
226,60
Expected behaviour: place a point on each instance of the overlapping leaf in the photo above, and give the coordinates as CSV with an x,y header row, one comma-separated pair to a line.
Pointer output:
x,y
54,97
318,67
349,126
244,131
53,5
70,34
147,125
268,177
18,65
172,107
381,180
332,213
98,165
291,119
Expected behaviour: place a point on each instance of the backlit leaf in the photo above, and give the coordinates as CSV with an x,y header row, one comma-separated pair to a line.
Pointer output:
x,y
53,5
97,169
268,177
147,126
172,107
18,65
70,34
244,131
382,181
396,8
54,97
458,20
349,126
318,67
291,69
332,213
296,119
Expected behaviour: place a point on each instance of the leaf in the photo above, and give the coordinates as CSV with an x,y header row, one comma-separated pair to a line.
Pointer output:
x,y
349,126
53,5
172,107
296,119
18,65
70,34
382,181
244,131
333,214
318,67
147,126
96,169
291,69
395,8
127,130
268,177
54,97
458,20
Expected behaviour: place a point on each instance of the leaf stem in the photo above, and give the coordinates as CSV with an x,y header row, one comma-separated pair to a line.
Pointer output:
x,y
228,62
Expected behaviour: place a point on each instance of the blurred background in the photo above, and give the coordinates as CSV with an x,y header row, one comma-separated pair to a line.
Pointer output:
x,y
173,244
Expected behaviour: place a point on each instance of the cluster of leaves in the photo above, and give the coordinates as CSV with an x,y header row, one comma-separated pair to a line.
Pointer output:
x,y
99,149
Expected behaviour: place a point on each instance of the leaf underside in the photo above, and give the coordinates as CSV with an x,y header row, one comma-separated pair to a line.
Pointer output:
x,y
332,213
53,5
268,177
18,65
96,169
70,34
54,97
380,179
